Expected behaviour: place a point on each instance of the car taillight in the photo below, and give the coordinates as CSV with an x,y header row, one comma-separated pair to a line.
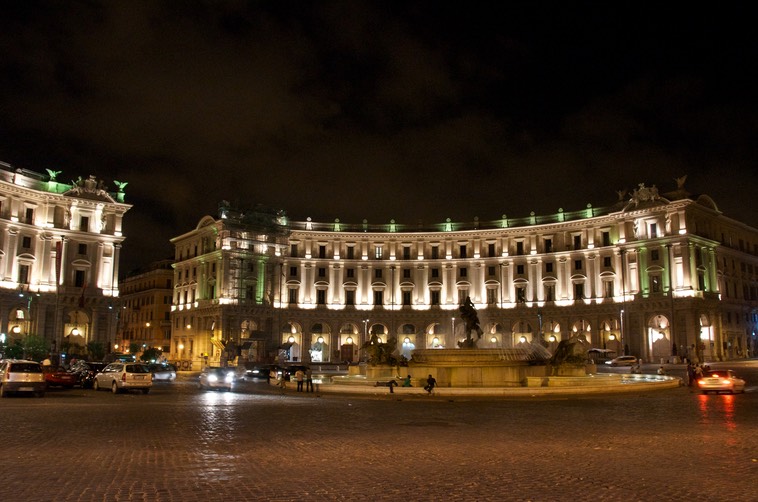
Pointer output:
x,y
123,377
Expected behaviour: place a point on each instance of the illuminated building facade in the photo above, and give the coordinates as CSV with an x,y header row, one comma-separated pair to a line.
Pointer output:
x,y
659,276
146,298
59,255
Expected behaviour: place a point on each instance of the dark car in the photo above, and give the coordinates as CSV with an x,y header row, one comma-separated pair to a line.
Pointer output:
x,y
85,372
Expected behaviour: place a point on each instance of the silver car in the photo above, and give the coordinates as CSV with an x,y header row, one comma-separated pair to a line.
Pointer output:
x,y
122,376
18,375
216,378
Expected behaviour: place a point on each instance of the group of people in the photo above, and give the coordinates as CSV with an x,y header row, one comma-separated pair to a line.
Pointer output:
x,y
695,372
301,377
431,383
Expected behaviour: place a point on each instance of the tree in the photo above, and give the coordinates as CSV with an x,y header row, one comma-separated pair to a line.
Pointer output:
x,y
29,347
96,350
151,354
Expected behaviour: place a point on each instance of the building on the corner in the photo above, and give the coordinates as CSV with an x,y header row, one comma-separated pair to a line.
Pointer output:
x,y
146,298
660,276
59,256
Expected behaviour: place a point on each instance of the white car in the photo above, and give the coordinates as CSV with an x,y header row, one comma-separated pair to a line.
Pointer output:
x,y
216,378
123,376
721,381
17,375
622,361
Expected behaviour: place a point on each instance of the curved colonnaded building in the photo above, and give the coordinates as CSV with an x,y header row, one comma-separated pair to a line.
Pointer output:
x,y
657,275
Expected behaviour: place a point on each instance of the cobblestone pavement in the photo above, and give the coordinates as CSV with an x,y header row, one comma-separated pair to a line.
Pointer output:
x,y
180,444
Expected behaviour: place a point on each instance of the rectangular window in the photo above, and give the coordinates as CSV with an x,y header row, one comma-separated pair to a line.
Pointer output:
x,y
378,252
520,294
491,271
606,261
26,242
350,252
579,291
463,251
491,296
549,292
653,230
406,273
406,298
378,297
434,297
519,248
350,273
577,242
654,254
462,295
491,249
606,238
406,252
293,271
322,251
435,252
464,272
23,274
435,273
378,273
321,297
321,272
549,266
548,245
608,289
578,264
349,297
292,296
84,224
79,277
655,283
520,269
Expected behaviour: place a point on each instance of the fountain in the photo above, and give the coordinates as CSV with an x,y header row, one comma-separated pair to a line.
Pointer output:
x,y
468,368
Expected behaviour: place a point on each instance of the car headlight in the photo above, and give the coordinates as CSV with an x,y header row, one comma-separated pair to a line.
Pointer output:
x,y
229,378
212,378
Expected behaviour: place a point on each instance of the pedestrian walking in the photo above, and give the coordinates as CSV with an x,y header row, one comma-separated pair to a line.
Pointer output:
x,y
308,380
299,378
431,382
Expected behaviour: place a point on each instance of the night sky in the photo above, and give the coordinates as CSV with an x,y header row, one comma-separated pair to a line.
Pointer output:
x,y
379,110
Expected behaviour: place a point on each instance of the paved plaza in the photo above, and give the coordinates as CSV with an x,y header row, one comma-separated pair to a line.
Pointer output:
x,y
181,444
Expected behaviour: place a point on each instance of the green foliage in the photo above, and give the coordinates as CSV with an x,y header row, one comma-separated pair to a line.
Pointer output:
x,y
96,350
29,347
134,348
151,354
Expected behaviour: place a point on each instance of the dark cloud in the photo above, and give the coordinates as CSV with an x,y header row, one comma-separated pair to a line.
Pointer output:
x,y
378,110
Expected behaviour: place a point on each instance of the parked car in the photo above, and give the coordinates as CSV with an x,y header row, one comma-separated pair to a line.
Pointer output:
x,y
122,376
721,381
162,371
622,361
216,378
17,375
85,372
58,377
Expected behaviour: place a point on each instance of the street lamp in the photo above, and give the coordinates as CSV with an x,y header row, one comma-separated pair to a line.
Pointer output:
x,y
365,330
